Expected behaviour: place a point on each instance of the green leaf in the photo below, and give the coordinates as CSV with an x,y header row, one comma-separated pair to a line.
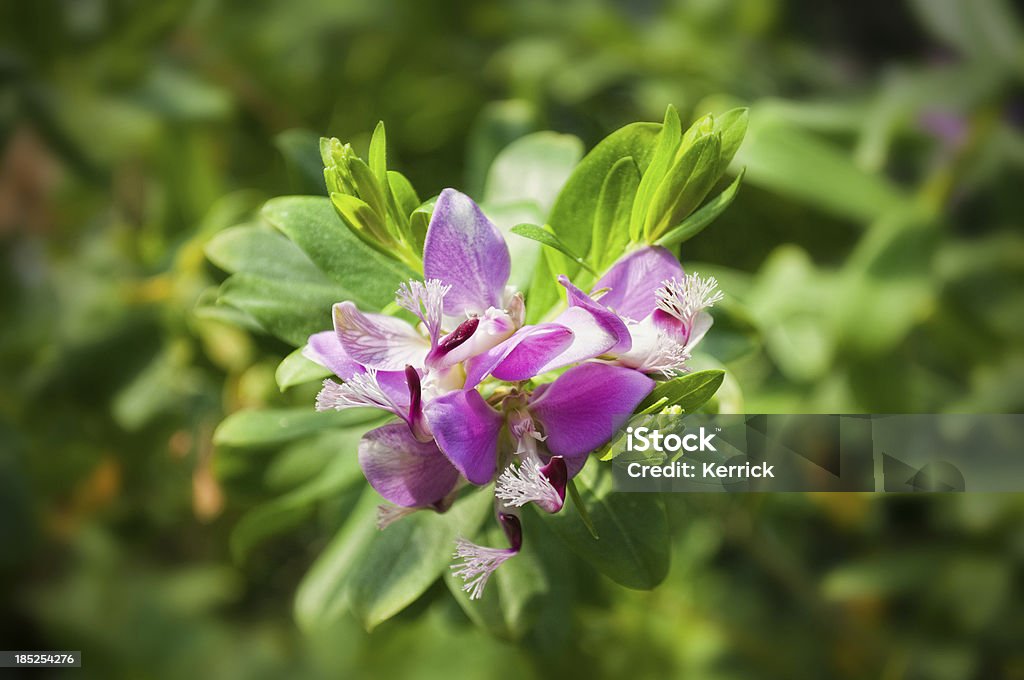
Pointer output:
x,y
581,508
419,220
222,313
290,310
404,193
321,596
402,561
541,235
295,369
533,168
732,127
797,336
369,189
378,154
696,223
368,278
261,428
291,509
515,593
685,186
633,548
360,218
666,145
794,163
887,286
688,392
702,127
614,207
545,292
255,249
572,217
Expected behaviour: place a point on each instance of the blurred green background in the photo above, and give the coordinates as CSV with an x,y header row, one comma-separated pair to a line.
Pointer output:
x,y
131,132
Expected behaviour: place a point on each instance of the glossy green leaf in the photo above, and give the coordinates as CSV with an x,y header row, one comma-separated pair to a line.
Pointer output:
x,y
361,219
732,127
665,146
689,392
572,217
541,235
700,128
321,597
367,277
405,194
259,428
368,188
684,187
290,310
295,369
633,548
256,249
514,595
698,221
402,561
377,156
614,207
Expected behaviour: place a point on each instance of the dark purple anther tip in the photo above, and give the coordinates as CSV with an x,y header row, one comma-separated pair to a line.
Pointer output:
x,y
513,530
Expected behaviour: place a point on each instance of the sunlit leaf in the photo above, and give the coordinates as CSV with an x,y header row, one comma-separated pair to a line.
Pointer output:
x,y
270,427
401,562
295,369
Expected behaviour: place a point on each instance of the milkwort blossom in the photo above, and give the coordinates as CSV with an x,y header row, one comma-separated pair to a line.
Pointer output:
x,y
471,384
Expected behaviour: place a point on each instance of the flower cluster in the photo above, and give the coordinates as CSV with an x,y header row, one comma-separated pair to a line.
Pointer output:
x,y
483,397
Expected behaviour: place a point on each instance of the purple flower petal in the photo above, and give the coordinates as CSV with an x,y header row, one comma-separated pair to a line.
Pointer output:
x,y
325,349
701,325
377,340
467,252
584,407
596,329
522,356
606,319
403,470
466,430
633,279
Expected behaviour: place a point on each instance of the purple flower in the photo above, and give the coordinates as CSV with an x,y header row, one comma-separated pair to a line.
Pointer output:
x,y
472,387
575,414
663,308
479,562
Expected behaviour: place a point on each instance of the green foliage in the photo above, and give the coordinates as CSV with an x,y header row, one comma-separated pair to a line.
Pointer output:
x,y
401,562
871,262
374,203
689,392
632,543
